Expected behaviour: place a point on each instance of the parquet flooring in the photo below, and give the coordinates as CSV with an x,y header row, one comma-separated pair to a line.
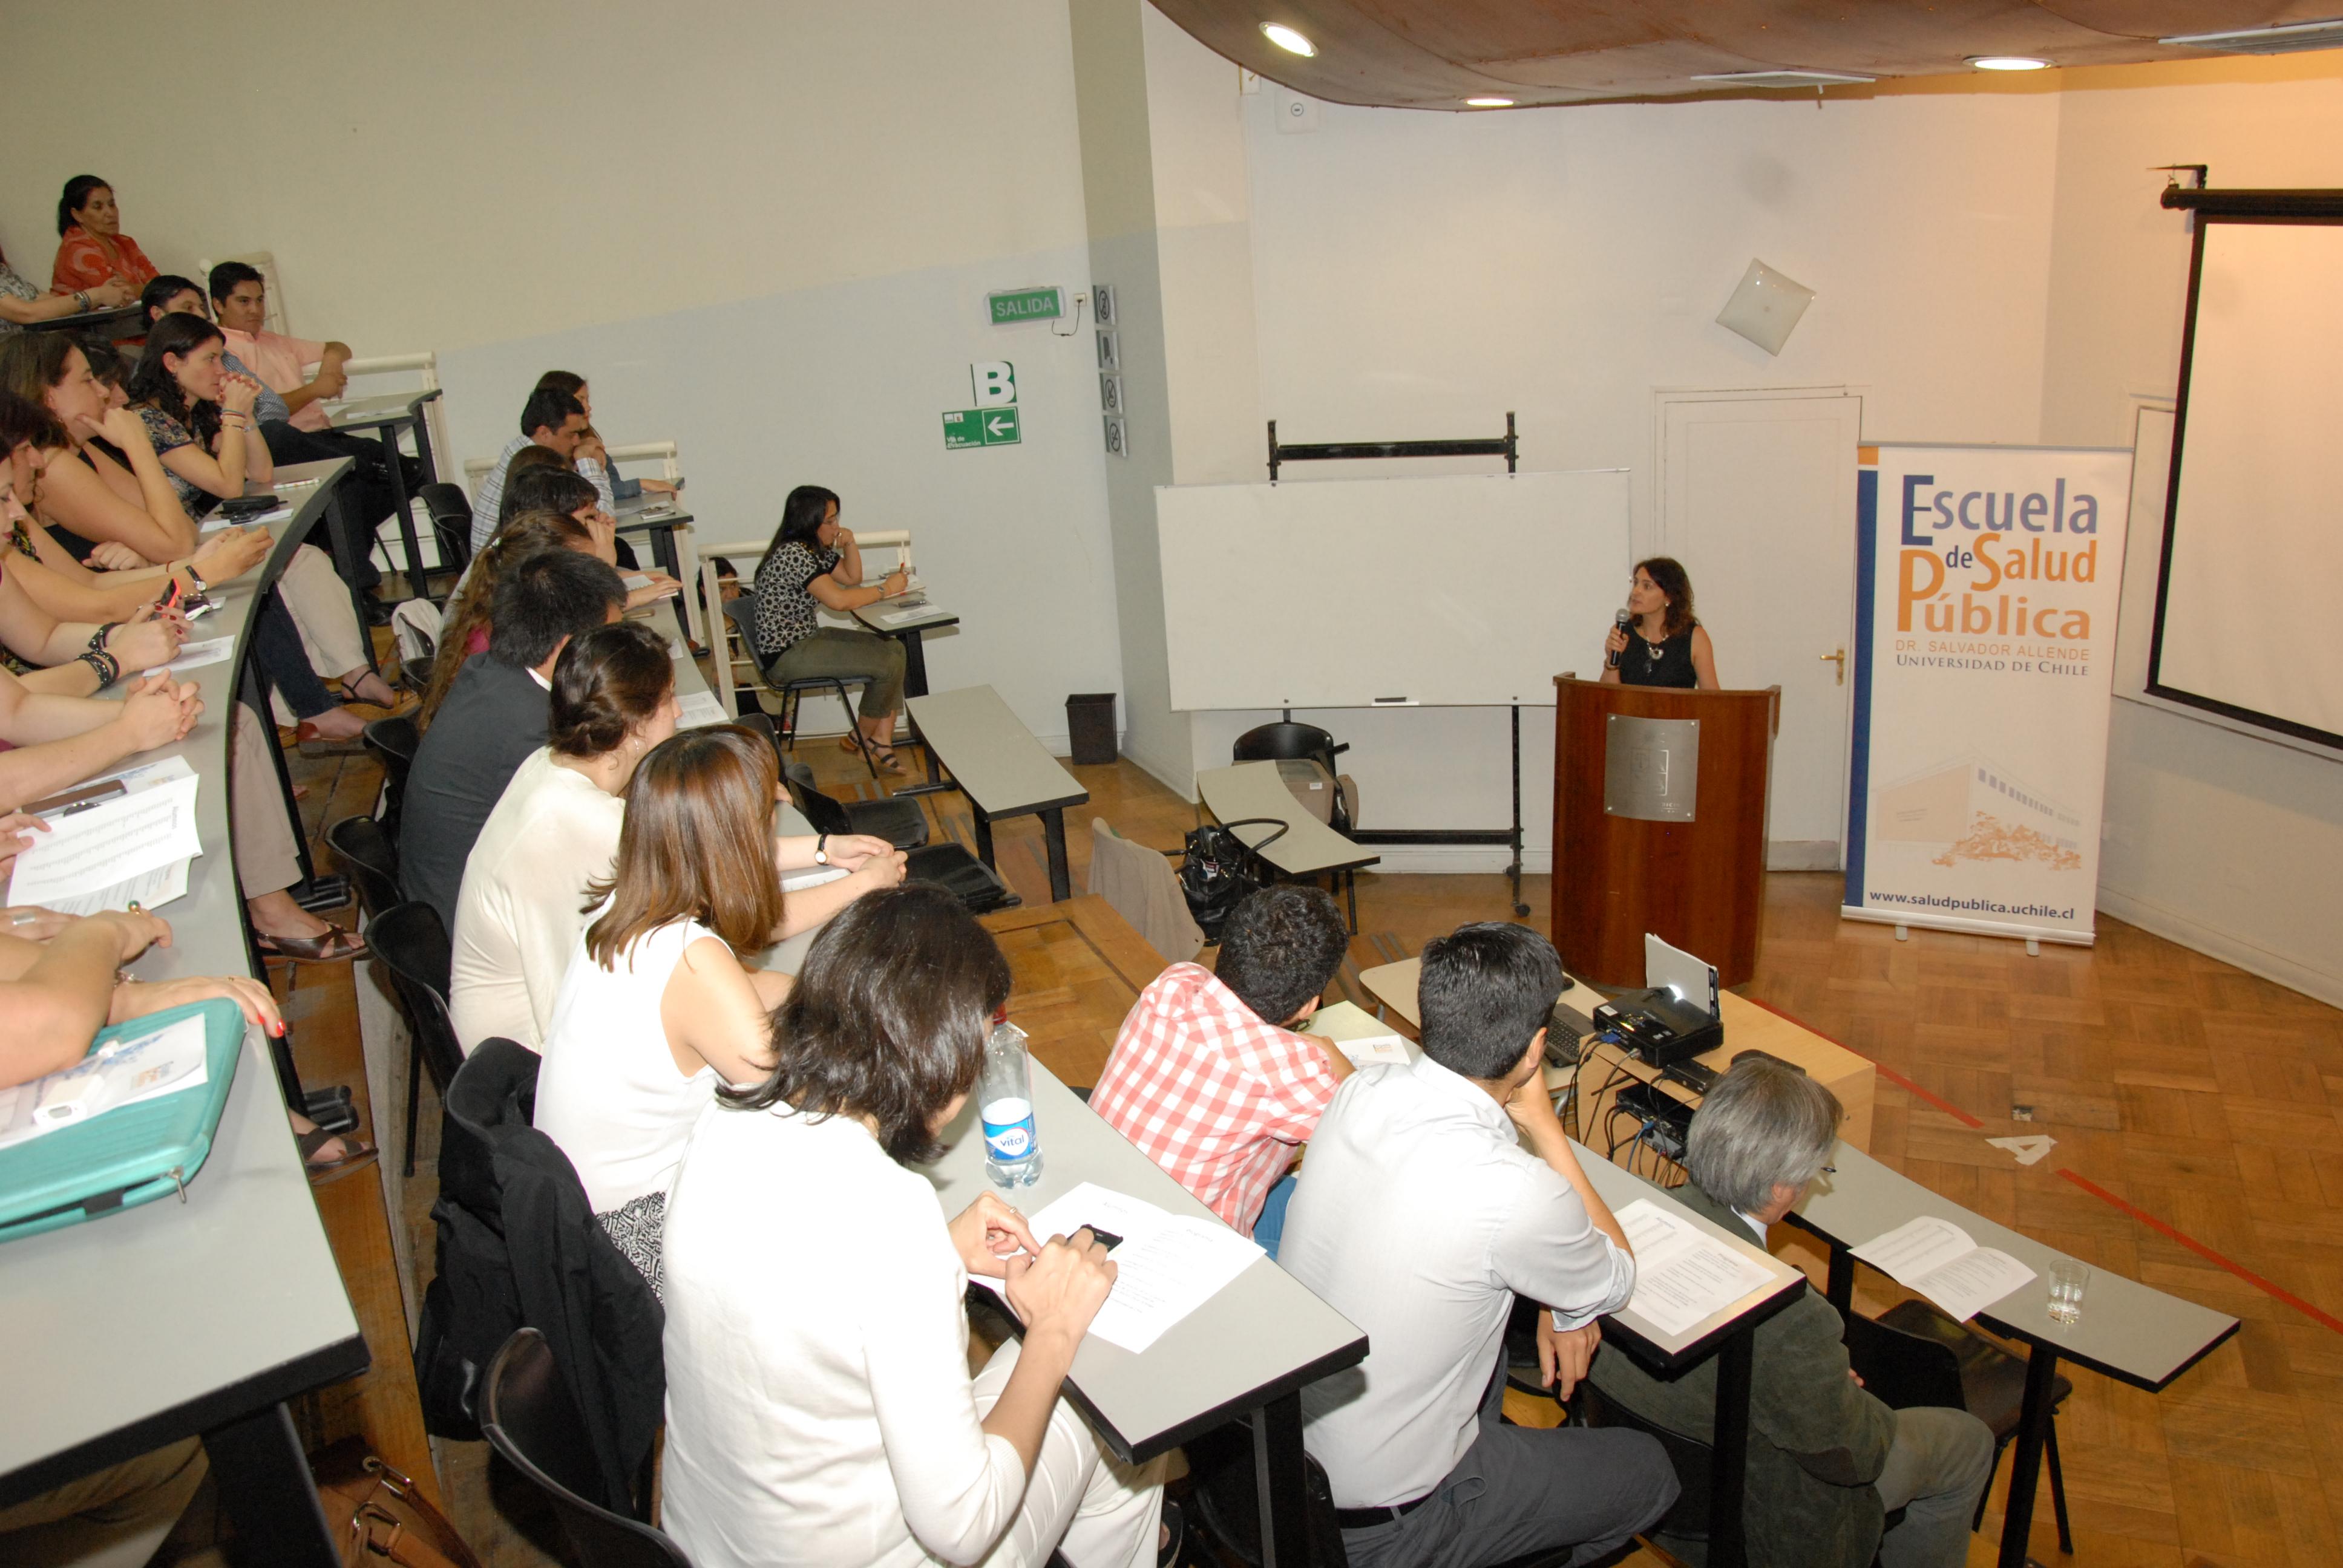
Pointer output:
x,y
2198,1115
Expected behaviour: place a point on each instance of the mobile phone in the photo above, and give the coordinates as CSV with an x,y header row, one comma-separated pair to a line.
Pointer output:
x,y
80,800
1106,1239
248,506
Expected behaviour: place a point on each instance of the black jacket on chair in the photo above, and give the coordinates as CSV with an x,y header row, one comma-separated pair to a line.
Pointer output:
x,y
519,1248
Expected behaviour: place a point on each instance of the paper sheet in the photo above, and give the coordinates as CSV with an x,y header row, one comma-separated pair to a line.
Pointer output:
x,y
904,617
1943,1263
148,775
94,852
194,654
1682,1274
1166,1267
701,708
130,1072
1360,1036
151,890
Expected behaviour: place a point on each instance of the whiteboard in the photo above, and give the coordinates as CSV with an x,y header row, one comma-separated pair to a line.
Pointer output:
x,y
1449,590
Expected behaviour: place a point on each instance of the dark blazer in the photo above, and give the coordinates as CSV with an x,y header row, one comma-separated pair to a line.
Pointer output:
x,y
1816,1441
519,1248
494,718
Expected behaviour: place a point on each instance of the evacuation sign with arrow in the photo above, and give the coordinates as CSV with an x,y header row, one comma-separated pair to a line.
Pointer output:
x,y
994,423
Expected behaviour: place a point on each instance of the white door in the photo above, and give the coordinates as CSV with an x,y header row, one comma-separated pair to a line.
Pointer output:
x,y
1756,497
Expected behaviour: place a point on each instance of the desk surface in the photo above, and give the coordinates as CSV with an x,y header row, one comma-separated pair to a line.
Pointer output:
x,y
2130,1331
872,617
1308,848
388,407
1393,985
1262,1336
993,757
120,321
151,1325
651,510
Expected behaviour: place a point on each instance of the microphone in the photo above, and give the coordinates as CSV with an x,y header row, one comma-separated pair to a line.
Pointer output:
x,y
1623,621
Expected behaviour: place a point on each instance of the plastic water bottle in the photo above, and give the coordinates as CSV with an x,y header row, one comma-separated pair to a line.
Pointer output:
x,y
1005,1098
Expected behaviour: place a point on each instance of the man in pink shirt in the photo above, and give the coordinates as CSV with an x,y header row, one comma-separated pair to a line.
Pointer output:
x,y
1207,1077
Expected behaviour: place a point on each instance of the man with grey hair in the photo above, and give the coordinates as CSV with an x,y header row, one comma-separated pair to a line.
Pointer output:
x,y
1828,1461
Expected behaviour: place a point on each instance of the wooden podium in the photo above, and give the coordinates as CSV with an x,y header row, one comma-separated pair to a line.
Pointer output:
x,y
1659,825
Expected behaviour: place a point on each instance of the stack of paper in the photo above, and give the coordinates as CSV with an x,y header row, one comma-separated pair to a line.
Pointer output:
x,y
1365,1040
135,847
702,708
126,1072
194,654
1166,1266
1682,1274
1943,1263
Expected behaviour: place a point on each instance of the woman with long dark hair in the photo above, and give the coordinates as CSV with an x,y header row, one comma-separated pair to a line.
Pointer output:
x,y
1669,647
812,565
830,1407
91,247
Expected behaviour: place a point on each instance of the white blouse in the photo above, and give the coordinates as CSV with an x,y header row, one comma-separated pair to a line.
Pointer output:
x,y
819,1405
609,1093
523,902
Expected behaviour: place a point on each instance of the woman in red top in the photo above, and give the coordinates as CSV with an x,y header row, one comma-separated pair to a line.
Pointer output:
x,y
92,247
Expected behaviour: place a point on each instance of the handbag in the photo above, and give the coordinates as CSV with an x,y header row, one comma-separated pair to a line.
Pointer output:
x,y
1220,871
377,1516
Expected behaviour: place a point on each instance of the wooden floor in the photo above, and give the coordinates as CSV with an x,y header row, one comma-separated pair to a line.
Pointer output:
x,y
2194,1108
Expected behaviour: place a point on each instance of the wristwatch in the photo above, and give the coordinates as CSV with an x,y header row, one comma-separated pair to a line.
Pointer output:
x,y
822,850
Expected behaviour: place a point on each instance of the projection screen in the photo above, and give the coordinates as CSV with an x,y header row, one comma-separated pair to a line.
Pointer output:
x,y
2249,597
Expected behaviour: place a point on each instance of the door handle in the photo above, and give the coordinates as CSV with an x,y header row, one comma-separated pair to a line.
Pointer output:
x,y
1838,659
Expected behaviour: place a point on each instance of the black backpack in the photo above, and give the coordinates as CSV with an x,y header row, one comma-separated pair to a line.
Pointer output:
x,y
1220,871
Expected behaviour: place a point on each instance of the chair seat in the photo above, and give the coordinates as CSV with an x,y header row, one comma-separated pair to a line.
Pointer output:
x,y
898,822
968,878
1993,1382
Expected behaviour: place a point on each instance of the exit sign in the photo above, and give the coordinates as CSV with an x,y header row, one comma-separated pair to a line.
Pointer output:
x,y
1025,304
966,428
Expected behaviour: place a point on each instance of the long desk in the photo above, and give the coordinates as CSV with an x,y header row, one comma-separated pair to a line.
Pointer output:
x,y
1308,848
1000,767
113,322
2127,1330
389,414
198,1317
658,517
1247,1352
909,632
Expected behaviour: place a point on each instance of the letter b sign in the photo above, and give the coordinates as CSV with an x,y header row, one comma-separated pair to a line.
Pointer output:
x,y
995,383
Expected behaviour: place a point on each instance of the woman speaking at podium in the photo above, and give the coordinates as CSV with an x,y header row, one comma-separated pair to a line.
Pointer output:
x,y
1666,647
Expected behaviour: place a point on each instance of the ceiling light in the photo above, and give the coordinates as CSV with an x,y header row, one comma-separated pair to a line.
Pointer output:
x,y
1287,39
1488,103
1790,77
2008,63
2281,40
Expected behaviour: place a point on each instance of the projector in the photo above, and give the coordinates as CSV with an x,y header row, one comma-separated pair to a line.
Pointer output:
x,y
1658,1028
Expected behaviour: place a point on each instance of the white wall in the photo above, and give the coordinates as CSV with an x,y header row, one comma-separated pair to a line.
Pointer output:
x,y
763,230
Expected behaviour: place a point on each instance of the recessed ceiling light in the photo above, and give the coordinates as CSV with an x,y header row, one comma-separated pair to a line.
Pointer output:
x,y
1287,39
1488,103
2008,63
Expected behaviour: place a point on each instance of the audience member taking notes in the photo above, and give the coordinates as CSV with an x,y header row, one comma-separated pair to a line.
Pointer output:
x,y
1828,1461
1419,1215
1207,1077
819,1406
813,563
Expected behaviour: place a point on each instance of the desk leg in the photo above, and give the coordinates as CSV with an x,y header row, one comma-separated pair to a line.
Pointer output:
x,y
423,446
2025,1456
1729,1456
984,826
265,1485
341,532
419,586
1838,1286
1277,1482
663,551
1053,833
915,665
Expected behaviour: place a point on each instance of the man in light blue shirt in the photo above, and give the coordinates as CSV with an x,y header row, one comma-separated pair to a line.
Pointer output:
x,y
1419,1216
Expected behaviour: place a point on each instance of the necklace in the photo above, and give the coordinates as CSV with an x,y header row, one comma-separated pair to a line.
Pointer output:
x,y
1652,652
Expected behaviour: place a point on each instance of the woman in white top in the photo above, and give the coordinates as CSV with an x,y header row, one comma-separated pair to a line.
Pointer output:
x,y
820,1408
655,1003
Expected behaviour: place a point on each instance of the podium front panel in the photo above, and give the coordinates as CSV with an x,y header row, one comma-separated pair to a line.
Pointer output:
x,y
1651,767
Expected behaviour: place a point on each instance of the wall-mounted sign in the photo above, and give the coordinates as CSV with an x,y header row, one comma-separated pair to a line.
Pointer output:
x,y
1102,303
1109,352
992,383
1110,393
993,422
1118,441
1017,304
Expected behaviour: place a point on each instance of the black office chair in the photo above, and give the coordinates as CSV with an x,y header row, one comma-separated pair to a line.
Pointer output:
x,y
409,942
948,865
742,613
898,819
371,860
1913,1355
452,523
1290,742
393,743
528,1415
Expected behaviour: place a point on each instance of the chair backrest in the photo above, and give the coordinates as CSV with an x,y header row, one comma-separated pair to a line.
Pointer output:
x,y
1138,884
410,940
1688,1520
371,857
1286,742
527,1416
393,742
1900,1369
451,519
826,814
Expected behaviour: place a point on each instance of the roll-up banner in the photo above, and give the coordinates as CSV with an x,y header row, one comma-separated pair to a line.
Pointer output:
x,y
1986,581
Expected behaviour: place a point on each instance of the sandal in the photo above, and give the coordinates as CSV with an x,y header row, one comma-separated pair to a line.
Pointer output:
x,y
333,946
400,701
879,752
356,1152
313,743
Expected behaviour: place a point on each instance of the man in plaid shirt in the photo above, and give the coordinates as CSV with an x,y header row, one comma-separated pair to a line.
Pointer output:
x,y
1208,1078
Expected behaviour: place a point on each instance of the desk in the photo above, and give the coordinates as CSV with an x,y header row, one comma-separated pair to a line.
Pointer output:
x,y
658,517
201,1318
1308,848
391,413
1000,767
122,321
907,633
1245,1353
2127,1331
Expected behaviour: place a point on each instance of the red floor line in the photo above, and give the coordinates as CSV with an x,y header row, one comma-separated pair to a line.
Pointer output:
x,y
1946,1106
2204,1252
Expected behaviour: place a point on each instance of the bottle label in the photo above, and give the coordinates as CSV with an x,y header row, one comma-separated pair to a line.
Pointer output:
x,y
1009,1130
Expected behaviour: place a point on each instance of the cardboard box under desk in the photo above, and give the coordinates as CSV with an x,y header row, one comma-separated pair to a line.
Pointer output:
x,y
1747,1027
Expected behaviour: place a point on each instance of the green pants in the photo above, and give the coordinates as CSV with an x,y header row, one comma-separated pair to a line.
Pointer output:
x,y
834,651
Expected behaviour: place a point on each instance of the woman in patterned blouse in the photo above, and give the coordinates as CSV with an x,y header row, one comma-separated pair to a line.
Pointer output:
x,y
812,565
91,245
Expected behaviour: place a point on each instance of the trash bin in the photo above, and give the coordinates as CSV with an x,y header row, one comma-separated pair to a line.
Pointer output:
x,y
1089,723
